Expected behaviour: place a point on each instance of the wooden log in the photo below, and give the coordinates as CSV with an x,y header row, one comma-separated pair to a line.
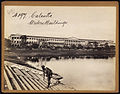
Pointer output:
x,y
40,79
45,82
18,72
41,84
36,71
31,83
26,74
13,79
26,83
33,75
36,77
8,82
19,79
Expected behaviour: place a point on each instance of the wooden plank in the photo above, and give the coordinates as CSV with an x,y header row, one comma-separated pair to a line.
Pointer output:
x,y
13,79
40,79
19,79
31,83
36,71
55,87
18,72
7,80
45,82
39,76
27,69
41,84
26,83
33,75
26,74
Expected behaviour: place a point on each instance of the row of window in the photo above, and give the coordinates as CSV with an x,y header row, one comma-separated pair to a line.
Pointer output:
x,y
16,41
47,39
36,42
16,44
67,42
32,42
15,37
43,39
72,41
20,41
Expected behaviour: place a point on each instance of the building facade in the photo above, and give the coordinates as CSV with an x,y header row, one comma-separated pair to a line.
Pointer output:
x,y
19,40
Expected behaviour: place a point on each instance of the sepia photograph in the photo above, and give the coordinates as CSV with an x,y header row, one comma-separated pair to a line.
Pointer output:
x,y
59,46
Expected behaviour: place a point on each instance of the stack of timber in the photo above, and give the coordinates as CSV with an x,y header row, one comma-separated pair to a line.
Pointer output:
x,y
18,77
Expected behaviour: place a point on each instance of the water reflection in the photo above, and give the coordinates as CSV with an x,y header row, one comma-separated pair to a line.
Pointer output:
x,y
82,73
48,58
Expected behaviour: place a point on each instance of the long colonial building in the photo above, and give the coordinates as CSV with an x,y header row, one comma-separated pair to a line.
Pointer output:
x,y
17,40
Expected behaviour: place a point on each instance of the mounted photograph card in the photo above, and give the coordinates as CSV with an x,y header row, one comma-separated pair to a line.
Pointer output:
x,y
59,46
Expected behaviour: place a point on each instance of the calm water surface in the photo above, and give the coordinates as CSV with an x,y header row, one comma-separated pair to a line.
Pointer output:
x,y
84,74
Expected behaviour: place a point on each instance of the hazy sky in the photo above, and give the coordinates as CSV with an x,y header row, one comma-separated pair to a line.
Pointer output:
x,y
82,22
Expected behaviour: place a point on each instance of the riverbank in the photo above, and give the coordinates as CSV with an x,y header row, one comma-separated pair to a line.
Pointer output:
x,y
14,58
20,56
61,52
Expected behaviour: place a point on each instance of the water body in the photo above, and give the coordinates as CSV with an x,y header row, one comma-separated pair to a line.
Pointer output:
x,y
84,74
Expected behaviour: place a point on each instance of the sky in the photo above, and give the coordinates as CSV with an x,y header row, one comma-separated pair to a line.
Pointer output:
x,y
97,23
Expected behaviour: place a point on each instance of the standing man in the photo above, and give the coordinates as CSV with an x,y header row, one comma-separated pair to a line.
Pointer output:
x,y
48,73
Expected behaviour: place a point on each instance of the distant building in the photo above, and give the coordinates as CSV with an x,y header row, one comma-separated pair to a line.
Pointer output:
x,y
18,40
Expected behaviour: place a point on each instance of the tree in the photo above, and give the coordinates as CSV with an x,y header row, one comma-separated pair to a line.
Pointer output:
x,y
106,46
34,45
95,44
66,47
7,43
73,46
23,41
58,47
112,47
89,45
44,44
80,46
